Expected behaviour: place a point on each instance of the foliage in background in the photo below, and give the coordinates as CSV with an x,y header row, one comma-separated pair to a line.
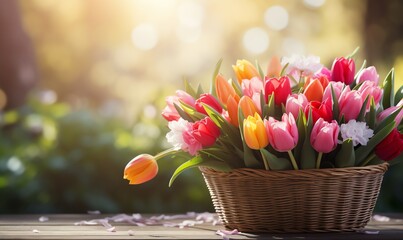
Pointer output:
x,y
55,159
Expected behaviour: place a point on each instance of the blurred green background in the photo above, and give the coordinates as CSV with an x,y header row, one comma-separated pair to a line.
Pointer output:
x,y
82,84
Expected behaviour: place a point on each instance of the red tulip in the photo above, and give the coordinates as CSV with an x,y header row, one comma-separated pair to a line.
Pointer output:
x,y
391,146
280,87
207,99
141,169
320,110
203,133
343,70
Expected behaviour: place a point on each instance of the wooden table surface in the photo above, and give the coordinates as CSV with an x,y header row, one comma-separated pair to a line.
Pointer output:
x,y
122,226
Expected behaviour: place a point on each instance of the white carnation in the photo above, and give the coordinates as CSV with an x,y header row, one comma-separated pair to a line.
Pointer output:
x,y
301,64
359,132
175,136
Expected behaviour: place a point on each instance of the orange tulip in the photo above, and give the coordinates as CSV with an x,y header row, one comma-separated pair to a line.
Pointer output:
x,y
245,70
254,131
247,106
314,88
141,169
224,89
274,67
232,107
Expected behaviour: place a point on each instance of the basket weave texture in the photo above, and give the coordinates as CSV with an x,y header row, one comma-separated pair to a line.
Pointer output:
x,y
315,200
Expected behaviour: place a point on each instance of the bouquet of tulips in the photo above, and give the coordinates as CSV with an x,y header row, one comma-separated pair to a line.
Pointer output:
x,y
299,115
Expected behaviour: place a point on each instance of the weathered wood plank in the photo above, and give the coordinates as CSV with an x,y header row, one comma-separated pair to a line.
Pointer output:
x,y
62,226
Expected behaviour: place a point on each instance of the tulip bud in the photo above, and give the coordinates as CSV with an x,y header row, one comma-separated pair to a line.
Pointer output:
x,y
247,106
245,70
255,132
141,169
314,88
350,103
368,74
280,87
343,70
324,136
224,89
283,135
295,103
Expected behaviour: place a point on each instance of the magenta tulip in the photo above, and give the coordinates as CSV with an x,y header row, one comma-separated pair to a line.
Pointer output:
x,y
283,135
337,88
381,116
372,90
252,86
203,133
343,70
324,136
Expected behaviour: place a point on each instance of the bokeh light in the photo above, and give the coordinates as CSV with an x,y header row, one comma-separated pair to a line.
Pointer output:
x,y
145,36
276,17
256,40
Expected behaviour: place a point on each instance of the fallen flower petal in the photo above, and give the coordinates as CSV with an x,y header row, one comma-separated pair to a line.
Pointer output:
x,y
36,231
380,218
43,219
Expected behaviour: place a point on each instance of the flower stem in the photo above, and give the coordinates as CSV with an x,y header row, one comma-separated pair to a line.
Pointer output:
x,y
165,153
368,159
294,163
265,162
318,160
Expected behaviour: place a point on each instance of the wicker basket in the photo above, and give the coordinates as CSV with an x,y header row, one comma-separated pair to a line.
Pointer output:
x,y
316,200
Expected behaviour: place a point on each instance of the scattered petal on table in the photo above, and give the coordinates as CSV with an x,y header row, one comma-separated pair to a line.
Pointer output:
x,y
94,212
111,229
36,231
380,218
130,232
43,219
371,232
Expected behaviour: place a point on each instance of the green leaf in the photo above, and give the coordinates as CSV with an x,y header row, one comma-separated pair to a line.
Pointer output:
x,y
396,160
361,115
351,55
359,71
196,162
388,119
372,115
260,70
308,154
237,87
216,71
271,106
224,125
346,156
362,152
283,69
200,90
335,104
276,163
195,115
388,92
189,89
219,154
182,113
264,106
398,95
301,121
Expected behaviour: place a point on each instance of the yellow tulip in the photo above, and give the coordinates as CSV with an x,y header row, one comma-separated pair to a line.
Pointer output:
x,y
254,131
141,169
244,70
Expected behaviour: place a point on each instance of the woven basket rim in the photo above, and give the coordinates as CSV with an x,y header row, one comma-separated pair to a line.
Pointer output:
x,y
322,172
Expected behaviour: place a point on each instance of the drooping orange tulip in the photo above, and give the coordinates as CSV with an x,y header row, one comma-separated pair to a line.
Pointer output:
x,y
224,89
245,70
247,106
314,88
274,67
255,132
232,108
141,169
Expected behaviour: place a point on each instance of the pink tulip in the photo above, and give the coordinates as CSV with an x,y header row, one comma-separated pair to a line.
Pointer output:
x,y
350,103
283,135
368,74
208,99
252,86
169,112
295,103
337,88
324,136
324,72
389,111
343,70
372,90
